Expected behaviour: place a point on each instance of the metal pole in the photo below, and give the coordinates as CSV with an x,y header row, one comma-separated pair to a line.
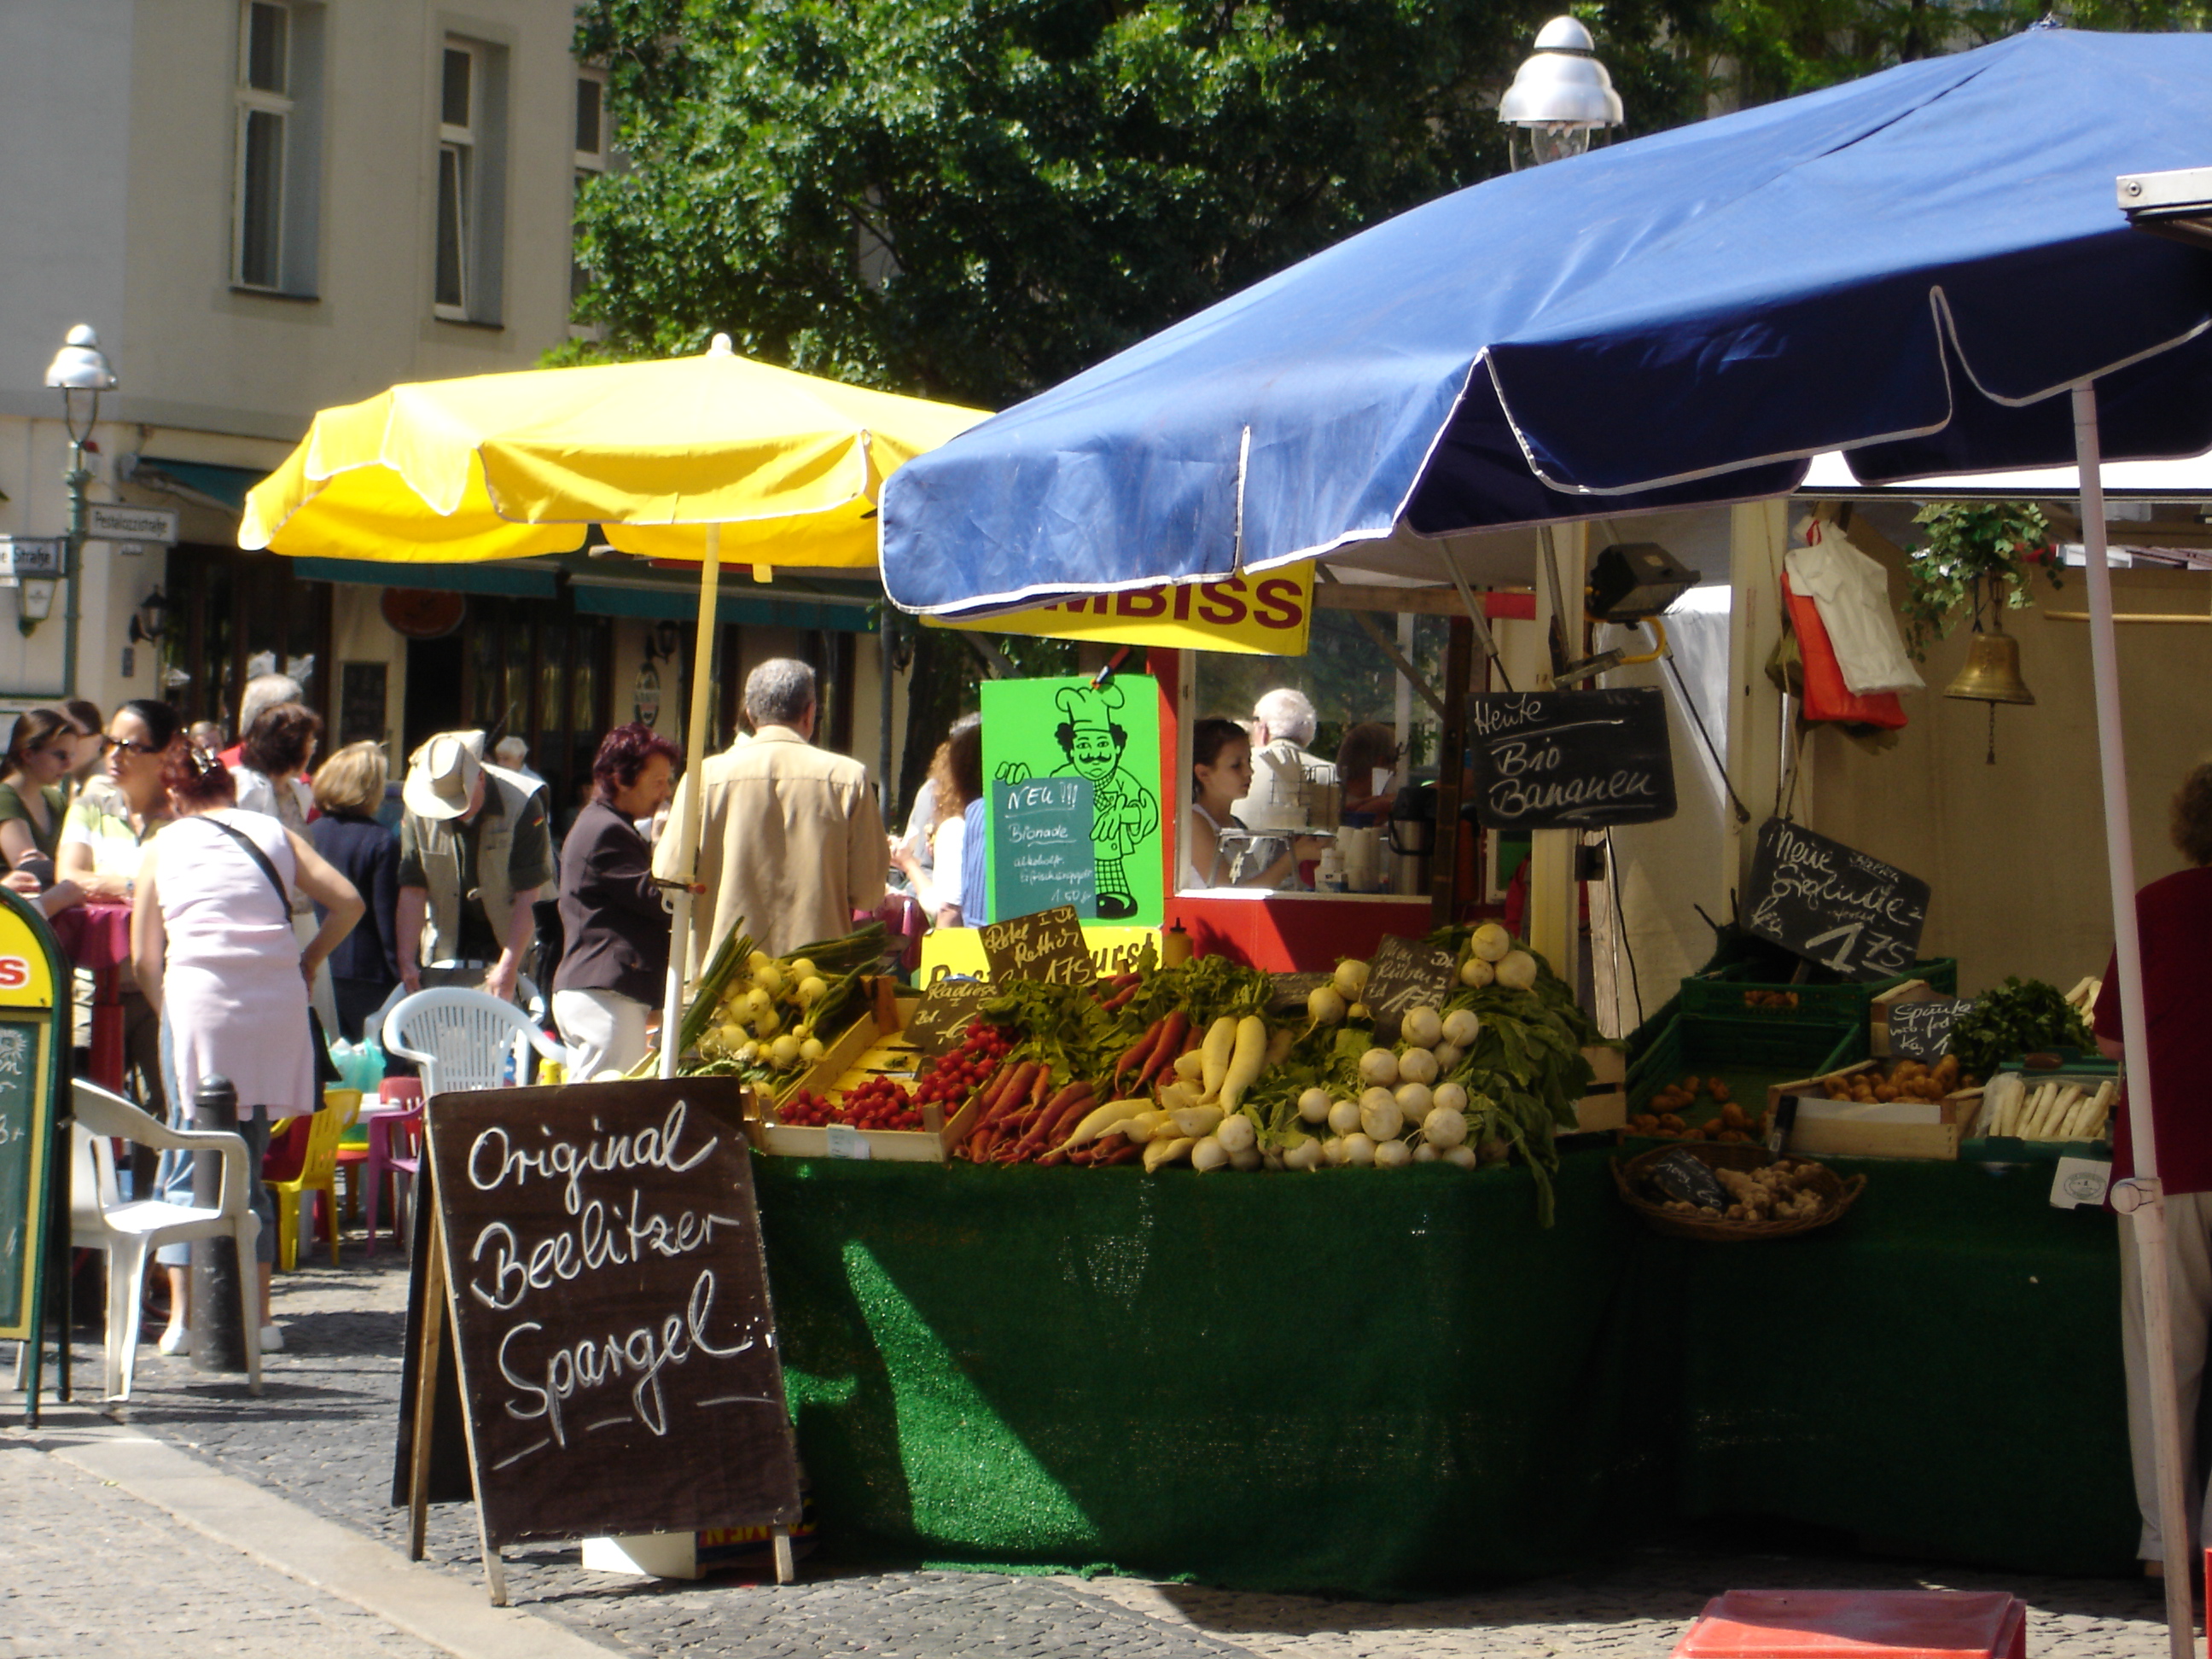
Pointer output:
x,y
886,657
219,1333
2145,1197
695,805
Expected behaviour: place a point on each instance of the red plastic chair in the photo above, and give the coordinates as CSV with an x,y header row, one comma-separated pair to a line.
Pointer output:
x,y
395,1151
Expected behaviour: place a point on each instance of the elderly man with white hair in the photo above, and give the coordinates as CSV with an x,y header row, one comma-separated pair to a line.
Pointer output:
x,y
791,841
1283,724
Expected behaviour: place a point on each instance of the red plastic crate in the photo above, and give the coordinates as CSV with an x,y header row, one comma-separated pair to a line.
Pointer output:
x,y
1858,1624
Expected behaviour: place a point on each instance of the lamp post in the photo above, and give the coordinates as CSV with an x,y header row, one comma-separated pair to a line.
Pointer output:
x,y
1560,96
82,372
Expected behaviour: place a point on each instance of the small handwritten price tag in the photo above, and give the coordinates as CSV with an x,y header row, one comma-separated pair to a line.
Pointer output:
x,y
1406,974
847,1142
941,1019
1047,946
1922,1030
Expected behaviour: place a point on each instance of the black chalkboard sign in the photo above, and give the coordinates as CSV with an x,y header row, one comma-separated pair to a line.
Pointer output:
x,y
360,703
940,1018
1287,994
1047,946
1404,974
1571,760
1833,906
610,1305
1922,1030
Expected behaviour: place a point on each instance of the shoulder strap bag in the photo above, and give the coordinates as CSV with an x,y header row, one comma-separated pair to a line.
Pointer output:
x,y
326,1069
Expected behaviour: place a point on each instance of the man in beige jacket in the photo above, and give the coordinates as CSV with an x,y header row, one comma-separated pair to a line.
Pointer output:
x,y
792,840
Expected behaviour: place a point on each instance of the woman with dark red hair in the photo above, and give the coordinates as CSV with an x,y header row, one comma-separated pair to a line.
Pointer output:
x,y
616,962
211,940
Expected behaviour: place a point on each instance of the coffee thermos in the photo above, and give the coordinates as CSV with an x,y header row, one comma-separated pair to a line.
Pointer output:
x,y
1413,839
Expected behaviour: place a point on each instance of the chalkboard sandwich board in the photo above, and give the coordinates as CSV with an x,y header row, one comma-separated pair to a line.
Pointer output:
x,y
1404,974
1833,905
1047,946
608,1300
1571,760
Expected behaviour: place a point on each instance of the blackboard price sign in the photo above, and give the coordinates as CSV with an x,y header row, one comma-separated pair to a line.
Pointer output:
x,y
1047,946
941,1018
1288,992
610,1307
1404,974
1041,856
1831,905
1571,760
1922,1030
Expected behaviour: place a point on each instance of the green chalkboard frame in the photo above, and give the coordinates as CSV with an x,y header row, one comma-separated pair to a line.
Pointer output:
x,y
34,1205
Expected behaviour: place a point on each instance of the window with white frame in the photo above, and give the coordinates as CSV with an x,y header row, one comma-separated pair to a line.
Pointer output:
x,y
264,115
591,157
459,106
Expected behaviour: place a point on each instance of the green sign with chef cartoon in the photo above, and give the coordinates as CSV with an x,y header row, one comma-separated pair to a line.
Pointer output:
x,y
1071,771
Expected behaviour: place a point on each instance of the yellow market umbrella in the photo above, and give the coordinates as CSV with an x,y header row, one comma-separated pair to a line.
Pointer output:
x,y
690,458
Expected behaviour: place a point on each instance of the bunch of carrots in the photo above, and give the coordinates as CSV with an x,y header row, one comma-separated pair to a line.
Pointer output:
x,y
1024,1118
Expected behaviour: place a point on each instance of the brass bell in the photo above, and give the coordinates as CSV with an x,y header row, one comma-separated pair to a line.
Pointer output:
x,y
1992,672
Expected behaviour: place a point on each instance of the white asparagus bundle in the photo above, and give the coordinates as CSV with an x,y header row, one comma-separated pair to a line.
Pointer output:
x,y
2000,1101
2087,1118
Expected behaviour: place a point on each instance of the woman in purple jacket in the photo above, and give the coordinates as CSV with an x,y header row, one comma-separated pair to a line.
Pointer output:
x,y
616,962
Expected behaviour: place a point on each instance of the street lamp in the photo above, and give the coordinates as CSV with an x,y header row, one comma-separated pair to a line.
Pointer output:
x,y
81,369
1560,96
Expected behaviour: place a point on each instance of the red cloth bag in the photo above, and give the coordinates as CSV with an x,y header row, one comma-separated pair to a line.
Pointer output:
x,y
1826,696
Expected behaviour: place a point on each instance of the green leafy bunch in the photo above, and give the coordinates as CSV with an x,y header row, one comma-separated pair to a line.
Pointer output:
x,y
1975,555
2017,1018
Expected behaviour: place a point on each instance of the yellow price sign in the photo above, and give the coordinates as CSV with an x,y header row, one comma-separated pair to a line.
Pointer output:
x,y
1268,615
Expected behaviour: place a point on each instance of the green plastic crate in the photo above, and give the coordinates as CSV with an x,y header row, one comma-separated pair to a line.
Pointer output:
x,y
1751,1054
1716,995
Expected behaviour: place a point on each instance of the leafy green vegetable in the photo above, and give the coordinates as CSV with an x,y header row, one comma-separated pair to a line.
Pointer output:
x,y
2016,1018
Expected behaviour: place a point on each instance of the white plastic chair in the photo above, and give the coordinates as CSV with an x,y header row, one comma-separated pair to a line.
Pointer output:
x,y
129,1233
462,1039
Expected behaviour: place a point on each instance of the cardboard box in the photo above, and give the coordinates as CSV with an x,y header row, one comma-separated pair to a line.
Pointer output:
x,y
1861,1136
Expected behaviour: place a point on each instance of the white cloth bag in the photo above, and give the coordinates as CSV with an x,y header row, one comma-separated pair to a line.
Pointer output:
x,y
1851,592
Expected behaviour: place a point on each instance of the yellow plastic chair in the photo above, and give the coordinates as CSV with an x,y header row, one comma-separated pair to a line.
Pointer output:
x,y
318,1174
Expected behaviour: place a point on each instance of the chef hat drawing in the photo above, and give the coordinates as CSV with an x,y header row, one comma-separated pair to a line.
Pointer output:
x,y
1089,706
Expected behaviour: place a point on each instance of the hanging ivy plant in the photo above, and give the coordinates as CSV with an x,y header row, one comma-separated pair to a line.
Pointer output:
x,y
1975,557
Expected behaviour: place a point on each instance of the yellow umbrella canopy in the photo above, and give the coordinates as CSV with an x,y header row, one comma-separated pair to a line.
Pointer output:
x,y
786,467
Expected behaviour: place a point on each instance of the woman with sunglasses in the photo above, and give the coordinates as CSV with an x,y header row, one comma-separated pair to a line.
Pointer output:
x,y
39,755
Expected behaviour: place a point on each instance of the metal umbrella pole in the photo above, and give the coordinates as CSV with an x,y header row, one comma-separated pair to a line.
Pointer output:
x,y
694,803
2141,1198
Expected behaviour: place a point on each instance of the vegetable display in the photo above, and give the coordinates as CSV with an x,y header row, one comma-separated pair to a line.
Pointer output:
x,y
766,1018
2058,1109
2017,1018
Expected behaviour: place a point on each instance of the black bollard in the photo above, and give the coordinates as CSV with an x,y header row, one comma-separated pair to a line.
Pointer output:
x,y
218,1311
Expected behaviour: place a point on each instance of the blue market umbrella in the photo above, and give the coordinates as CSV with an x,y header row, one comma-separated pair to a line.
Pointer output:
x,y
1913,267
1926,269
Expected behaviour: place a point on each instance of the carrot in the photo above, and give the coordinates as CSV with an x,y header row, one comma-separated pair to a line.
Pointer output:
x,y
1177,1026
1119,1000
1129,1154
1043,1087
1191,1038
1046,1128
1104,1147
1141,1050
1007,1090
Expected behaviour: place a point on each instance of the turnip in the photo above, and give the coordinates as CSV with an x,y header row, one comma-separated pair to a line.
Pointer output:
x,y
1208,1154
1449,1054
1304,1153
1463,1155
1327,1005
1414,1101
1392,1155
1246,1161
1424,1153
1491,942
1343,1117
1422,1027
1358,1149
1378,1067
1358,1012
1352,978
1517,970
1375,1095
1462,1027
1417,1066
1451,1095
1332,1150
1476,972
1380,1119
1443,1127
1313,1106
1237,1133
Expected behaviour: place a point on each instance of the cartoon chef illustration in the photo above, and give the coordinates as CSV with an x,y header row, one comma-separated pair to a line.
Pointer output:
x,y
1124,814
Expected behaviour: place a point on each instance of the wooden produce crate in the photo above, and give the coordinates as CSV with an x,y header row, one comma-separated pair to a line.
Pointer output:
x,y
1841,1137
1606,1106
1719,995
873,1046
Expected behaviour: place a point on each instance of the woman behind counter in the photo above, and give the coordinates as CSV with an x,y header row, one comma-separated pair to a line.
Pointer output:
x,y
1220,776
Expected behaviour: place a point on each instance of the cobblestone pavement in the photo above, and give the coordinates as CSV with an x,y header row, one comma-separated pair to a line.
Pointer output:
x,y
322,1436
85,1569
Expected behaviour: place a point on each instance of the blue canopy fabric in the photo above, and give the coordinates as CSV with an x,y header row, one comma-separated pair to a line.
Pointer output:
x,y
1913,267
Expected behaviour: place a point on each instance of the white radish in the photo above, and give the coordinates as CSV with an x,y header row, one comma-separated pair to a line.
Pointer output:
x,y
1165,1150
1313,1106
1372,1097
1392,1155
1190,1067
1303,1154
1424,1153
1197,1120
1247,1161
1327,1005
1462,1027
1219,1046
1351,977
1422,1027
1476,972
1332,1151
1490,943
1462,1155
1443,1127
1517,970
1417,1066
1414,1100
1378,1065
1246,1061
1383,1121
1358,1149
1237,1133
1208,1154
1451,1095
1174,1096
1343,1117
1448,1056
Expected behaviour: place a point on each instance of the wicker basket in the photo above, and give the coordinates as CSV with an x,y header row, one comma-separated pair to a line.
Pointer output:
x,y
1837,1195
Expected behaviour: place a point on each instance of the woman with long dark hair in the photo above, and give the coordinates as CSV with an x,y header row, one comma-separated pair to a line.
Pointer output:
x,y
211,938
616,962
956,773
40,752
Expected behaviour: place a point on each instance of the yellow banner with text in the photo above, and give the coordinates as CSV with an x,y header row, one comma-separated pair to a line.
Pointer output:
x,y
1268,615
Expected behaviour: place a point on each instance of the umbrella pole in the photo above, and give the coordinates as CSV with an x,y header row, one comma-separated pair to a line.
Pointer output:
x,y
2148,1216
694,800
